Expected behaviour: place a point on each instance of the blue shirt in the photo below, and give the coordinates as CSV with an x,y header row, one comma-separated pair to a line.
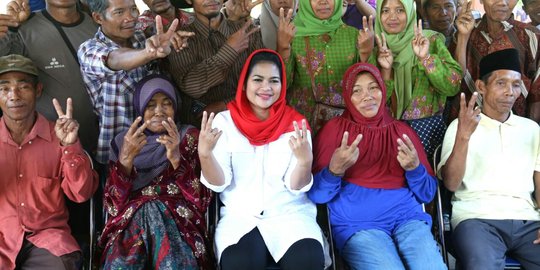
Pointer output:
x,y
354,208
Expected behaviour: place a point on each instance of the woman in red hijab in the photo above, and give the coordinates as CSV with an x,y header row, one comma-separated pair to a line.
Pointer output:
x,y
259,160
372,172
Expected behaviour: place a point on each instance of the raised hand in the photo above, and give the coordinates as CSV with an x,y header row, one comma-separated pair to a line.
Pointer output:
x,y
239,41
420,43
469,116
300,145
134,141
159,45
18,9
66,128
208,136
286,29
364,42
171,141
407,155
179,39
465,20
385,57
345,155
239,9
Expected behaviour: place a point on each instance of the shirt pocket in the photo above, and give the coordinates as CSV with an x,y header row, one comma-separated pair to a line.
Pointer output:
x,y
47,194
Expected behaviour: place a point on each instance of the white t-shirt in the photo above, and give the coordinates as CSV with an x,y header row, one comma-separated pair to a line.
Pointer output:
x,y
257,192
501,161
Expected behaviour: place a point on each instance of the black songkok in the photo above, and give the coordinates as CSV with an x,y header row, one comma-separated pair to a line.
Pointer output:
x,y
503,59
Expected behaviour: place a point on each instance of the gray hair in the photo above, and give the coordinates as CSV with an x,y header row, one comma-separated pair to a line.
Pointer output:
x,y
98,6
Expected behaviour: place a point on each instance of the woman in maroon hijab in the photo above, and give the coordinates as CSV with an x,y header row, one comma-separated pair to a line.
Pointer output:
x,y
372,172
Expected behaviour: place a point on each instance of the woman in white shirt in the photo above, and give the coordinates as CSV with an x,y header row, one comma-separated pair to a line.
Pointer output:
x,y
259,160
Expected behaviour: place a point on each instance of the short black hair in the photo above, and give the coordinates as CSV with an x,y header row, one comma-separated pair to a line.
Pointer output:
x,y
427,3
98,6
486,77
265,57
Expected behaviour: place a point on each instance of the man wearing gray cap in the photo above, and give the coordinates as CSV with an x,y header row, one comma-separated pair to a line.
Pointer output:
x,y
42,162
491,161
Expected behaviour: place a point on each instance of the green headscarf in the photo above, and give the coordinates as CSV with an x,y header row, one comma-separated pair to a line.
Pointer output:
x,y
308,25
404,57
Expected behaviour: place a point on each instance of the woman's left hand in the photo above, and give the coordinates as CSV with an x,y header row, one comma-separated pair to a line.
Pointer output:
x,y
420,43
407,155
300,145
171,141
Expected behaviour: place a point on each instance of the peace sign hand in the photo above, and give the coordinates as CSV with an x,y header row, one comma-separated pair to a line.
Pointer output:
x,y
364,42
465,20
300,145
66,128
134,141
469,116
407,155
420,43
159,45
171,141
286,29
239,41
385,57
345,155
208,136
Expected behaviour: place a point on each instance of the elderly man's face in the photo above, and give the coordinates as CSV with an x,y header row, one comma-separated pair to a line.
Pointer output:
x,y
440,14
18,95
500,92
499,10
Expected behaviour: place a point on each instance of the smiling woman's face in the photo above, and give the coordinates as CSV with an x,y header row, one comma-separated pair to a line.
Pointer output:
x,y
393,16
158,109
366,95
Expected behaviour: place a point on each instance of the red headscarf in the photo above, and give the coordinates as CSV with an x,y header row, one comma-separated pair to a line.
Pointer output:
x,y
280,120
377,165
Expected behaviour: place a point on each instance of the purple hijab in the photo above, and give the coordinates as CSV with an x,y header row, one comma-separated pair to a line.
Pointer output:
x,y
152,159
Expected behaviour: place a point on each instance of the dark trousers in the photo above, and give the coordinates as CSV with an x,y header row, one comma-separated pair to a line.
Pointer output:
x,y
250,253
32,257
483,243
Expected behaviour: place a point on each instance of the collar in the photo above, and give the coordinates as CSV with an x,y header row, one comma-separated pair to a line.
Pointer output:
x,y
137,40
482,26
490,122
41,128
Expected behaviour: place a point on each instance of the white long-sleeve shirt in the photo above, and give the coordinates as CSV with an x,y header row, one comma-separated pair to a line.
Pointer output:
x,y
257,192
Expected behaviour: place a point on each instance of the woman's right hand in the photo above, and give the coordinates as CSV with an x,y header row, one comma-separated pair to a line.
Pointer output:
x,y
286,30
345,155
365,40
385,57
208,136
134,141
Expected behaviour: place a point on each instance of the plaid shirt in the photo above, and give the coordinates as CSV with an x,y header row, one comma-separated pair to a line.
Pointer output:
x,y
111,91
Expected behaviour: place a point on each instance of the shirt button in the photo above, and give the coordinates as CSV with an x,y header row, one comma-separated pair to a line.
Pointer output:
x,y
29,142
22,204
20,147
72,165
65,152
20,175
